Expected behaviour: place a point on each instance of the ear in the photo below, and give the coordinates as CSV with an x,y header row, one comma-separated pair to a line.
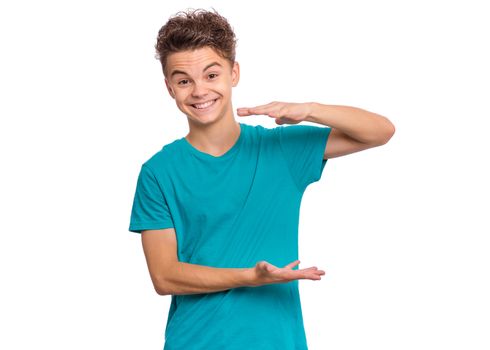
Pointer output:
x,y
235,74
169,88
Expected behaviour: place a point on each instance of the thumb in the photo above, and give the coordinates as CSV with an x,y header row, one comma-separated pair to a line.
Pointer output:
x,y
293,264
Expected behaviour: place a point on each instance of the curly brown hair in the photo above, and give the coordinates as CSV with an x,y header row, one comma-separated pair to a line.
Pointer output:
x,y
195,29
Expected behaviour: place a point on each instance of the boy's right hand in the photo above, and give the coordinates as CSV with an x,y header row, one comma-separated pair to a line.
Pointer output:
x,y
266,273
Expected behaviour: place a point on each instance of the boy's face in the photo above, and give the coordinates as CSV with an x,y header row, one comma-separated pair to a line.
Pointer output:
x,y
200,81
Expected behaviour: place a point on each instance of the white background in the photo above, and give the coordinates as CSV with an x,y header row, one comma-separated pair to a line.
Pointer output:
x,y
400,229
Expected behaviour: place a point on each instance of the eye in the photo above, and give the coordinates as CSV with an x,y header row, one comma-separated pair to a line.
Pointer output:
x,y
184,80
213,74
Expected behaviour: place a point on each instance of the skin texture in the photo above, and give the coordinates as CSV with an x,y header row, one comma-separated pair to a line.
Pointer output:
x,y
353,129
215,131
212,131
266,273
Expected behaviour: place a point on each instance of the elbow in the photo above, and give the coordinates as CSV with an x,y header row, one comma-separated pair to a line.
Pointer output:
x,y
161,287
389,134
165,283
160,291
391,131
386,134
380,135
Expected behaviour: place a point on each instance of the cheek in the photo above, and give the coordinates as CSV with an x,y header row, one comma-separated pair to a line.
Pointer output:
x,y
225,87
180,97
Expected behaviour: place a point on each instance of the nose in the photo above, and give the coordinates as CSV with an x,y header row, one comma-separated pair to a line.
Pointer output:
x,y
199,90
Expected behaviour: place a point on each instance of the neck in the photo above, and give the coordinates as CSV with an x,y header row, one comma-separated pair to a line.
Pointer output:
x,y
215,138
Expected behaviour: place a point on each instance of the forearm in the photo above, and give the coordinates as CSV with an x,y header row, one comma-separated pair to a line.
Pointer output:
x,y
185,278
361,125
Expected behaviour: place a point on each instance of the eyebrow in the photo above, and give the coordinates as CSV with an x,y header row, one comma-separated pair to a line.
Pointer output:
x,y
205,68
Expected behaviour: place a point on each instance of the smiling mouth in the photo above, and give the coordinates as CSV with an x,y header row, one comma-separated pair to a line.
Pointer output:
x,y
204,105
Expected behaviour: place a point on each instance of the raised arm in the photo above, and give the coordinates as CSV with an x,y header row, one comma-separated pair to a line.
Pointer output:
x,y
172,277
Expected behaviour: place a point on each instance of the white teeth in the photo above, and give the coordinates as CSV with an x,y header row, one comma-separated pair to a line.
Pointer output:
x,y
204,105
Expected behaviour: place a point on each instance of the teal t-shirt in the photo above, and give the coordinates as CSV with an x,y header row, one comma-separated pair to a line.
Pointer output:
x,y
233,211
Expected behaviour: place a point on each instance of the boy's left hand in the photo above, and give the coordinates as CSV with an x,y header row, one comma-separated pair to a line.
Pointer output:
x,y
283,112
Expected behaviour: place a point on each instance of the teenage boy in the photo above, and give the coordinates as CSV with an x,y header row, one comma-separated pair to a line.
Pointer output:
x,y
218,209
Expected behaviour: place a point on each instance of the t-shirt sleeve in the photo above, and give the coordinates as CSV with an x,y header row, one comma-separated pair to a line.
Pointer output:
x,y
150,209
303,147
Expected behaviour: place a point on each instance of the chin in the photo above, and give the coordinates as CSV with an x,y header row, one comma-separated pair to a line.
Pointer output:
x,y
208,119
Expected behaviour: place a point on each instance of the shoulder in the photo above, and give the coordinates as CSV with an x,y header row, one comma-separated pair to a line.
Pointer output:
x,y
260,130
283,129
279,133
301,132
165,157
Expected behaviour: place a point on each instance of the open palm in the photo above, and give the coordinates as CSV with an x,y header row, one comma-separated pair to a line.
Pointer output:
x,y
266,273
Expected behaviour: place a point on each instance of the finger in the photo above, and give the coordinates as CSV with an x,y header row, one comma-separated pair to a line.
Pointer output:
x,y
292,264
315,274
256,107
243,111
310,268
312,273
264,109
256,111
